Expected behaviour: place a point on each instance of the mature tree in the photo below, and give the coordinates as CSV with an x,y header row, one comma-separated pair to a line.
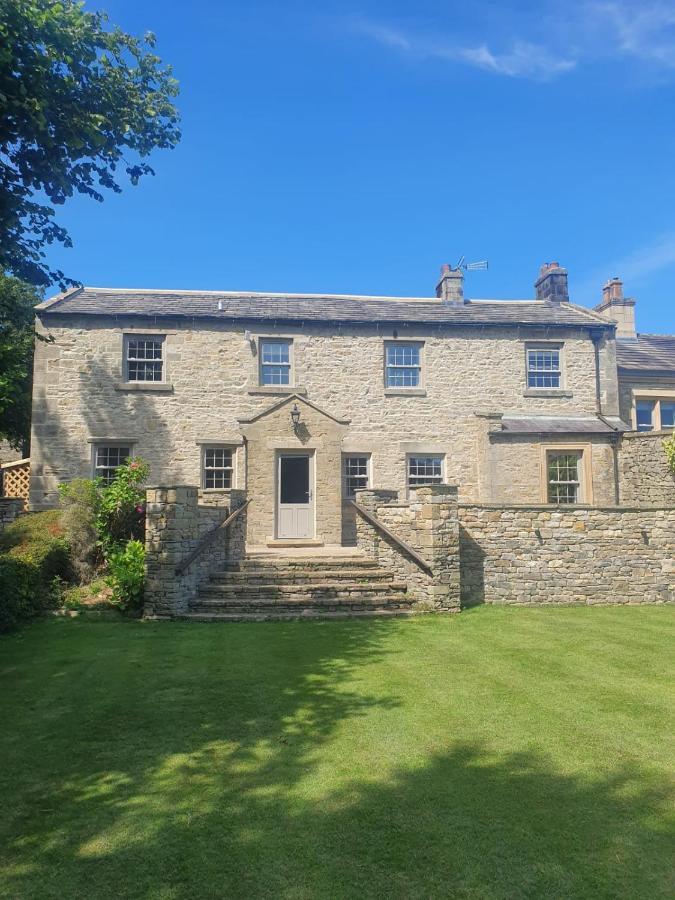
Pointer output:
x,y
17,300
80,102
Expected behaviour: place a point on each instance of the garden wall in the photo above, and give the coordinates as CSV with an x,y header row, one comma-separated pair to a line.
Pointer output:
x,y
645,477
548,555
10,508
176,524
428,524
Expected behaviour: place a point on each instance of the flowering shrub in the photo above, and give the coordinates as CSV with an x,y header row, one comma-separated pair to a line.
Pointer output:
x,y
121,510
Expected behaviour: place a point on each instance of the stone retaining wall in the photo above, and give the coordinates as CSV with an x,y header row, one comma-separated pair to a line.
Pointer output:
x,y
427,523
547,555
645,477
175,524
10,508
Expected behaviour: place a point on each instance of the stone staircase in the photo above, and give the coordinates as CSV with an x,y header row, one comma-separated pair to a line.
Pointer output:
x,y
334,585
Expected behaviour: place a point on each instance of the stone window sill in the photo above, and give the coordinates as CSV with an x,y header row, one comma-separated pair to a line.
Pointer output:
x,y
278,390
547,392
405,392
152,386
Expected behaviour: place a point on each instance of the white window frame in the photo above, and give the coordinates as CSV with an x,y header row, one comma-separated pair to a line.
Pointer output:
x,y
560,371
656,397
408,460
232,468
419,345
584,471
289,366
156,338
354,455
108,445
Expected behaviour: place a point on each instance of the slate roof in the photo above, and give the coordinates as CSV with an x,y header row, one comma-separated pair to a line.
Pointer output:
x,y
649,353
561,425
316,307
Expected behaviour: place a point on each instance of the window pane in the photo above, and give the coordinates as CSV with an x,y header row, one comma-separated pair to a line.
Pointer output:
x,y
403,355
403,365
563,477
107,460
543,368
218,468
275,362
644,410
144,359
276,375
355,474
275,352
668,414
424,470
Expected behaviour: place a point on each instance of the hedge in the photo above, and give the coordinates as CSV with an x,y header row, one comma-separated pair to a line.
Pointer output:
x,y
33,552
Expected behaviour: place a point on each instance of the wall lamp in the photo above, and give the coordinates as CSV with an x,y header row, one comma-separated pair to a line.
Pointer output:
x,y
295,416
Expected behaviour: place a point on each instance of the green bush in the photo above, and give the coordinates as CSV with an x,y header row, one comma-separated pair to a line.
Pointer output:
x,y
669,447
121,510
127,576
34,555
80,502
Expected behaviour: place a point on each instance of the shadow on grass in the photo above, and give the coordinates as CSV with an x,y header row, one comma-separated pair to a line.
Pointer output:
x,y
200,762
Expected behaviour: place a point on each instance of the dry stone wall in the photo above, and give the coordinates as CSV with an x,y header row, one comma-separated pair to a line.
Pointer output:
x,y
428,524
10,509
546,555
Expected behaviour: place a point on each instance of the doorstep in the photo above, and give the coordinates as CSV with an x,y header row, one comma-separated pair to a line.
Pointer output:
x,y
305,542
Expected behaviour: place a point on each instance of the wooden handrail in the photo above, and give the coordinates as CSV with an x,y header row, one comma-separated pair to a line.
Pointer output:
x,y
184,564
369,517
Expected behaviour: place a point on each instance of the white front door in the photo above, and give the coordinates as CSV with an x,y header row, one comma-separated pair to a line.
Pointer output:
x,y
295,496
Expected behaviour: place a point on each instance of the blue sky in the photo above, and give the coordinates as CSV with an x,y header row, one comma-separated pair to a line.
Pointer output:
x,y
355,147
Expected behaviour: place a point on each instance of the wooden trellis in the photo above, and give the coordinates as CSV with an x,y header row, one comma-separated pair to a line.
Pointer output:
x,y
16,478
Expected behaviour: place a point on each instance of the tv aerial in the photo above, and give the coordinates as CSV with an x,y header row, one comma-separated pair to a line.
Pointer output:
x,y
479,266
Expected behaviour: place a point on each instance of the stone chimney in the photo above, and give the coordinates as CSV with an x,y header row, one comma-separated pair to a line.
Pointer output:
x,y
551,286
450,289
618,308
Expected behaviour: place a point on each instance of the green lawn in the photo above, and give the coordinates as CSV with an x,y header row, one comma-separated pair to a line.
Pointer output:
x,y
500,753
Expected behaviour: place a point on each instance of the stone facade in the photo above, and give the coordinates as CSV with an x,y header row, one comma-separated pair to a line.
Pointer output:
x,y
212,393
540,555
317,433
646,477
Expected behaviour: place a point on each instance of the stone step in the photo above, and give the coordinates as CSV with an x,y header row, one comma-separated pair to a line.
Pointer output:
x,y
276,563
304,589
392,599
296,576
278,615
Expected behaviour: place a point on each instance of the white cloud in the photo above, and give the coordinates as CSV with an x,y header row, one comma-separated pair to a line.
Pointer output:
x,y
643,30
565,35
522,59
638,265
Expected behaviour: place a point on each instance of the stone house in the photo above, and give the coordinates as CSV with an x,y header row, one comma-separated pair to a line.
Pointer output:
x,y
302,399
472,450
